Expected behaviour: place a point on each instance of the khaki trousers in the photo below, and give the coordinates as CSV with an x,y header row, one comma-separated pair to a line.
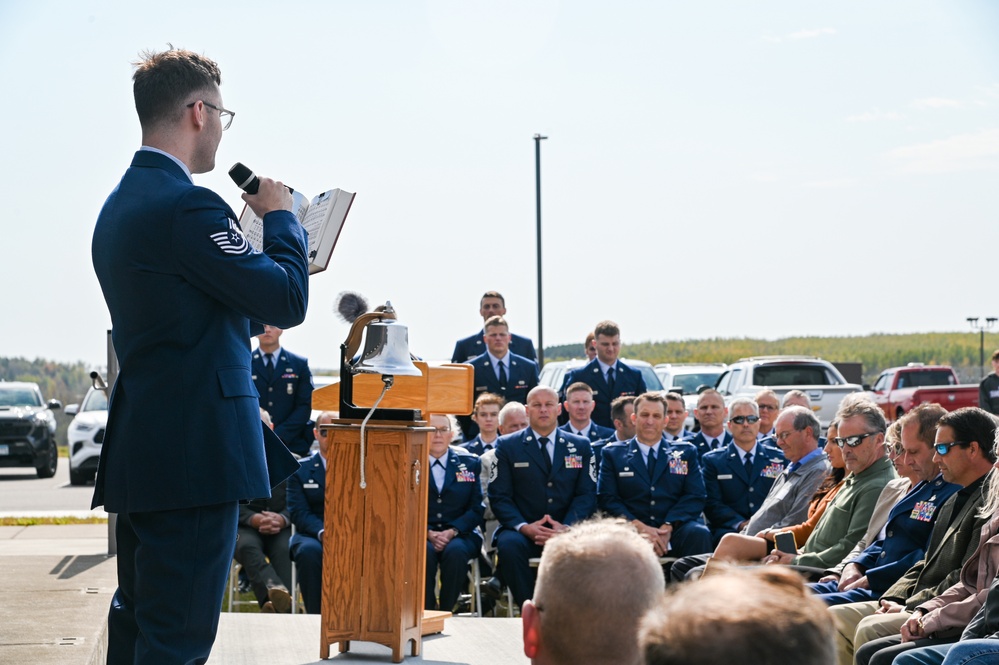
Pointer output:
x,y
857,624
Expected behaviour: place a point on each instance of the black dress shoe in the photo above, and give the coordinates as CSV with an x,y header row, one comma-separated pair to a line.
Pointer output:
x,y
491,588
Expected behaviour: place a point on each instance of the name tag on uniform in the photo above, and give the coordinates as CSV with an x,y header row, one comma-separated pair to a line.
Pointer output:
x,y
574,461
465,476
923,511
310,486
625,474
782,492
678,466
518,465
724,476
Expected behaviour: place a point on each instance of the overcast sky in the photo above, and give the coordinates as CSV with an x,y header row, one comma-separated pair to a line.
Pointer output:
x,y
713,169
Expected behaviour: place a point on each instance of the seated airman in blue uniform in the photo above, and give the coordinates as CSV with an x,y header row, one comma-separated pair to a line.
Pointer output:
x,y
711,414
543,481
485,414
306,503
454,512
579,405
656,485
738,477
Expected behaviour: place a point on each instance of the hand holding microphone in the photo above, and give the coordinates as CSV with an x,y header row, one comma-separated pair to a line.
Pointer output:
x,y
263,195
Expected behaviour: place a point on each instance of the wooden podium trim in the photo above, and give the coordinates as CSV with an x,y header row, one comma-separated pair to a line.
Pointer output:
x,y
452,390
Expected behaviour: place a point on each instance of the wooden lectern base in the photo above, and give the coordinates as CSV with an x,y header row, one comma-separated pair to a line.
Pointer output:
x,y
375,538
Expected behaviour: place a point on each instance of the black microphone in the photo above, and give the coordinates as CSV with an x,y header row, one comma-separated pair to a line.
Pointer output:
x,y
244,178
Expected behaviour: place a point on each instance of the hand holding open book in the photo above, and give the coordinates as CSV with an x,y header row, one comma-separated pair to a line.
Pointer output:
x,y
323,219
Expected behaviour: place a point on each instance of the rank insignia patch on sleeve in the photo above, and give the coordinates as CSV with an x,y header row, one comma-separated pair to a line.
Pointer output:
x,y
231,241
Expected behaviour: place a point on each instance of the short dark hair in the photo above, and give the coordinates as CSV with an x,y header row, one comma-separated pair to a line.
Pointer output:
x,y
928,416
995,355
652,396
973,424
618,406
493,294
163,82
608,328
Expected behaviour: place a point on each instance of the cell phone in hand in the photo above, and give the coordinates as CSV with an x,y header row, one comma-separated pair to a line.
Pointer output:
x,y
784,541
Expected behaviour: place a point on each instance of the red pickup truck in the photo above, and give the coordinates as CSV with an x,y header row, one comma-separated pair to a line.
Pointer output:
x,y
899,389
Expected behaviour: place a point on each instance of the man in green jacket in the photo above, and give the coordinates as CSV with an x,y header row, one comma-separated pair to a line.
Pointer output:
x,y
862,438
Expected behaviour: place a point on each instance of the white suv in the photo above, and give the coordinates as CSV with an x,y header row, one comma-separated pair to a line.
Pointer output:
x,y
86,435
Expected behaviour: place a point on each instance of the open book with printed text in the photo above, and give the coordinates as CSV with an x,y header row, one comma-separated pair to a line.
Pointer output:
x,y
322,217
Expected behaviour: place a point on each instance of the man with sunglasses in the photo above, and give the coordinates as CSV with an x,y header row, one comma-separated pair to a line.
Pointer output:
x,y
184,289
738,477
862,438
869,573
954,537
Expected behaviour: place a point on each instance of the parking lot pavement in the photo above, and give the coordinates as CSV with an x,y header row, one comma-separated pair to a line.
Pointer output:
x,y
58,582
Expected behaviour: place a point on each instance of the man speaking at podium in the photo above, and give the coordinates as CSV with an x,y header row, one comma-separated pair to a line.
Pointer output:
x,y
184,441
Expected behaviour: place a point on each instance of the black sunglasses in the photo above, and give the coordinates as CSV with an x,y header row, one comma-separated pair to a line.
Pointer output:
x,y
853,441
742,420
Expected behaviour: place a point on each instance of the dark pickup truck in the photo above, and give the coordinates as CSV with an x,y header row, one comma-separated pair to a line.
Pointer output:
x,y
899,389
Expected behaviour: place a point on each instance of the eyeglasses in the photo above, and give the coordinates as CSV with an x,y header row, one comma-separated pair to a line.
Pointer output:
x,y
441,430
767,407
225,116
944,448
780,436
742,420
853,441
894,450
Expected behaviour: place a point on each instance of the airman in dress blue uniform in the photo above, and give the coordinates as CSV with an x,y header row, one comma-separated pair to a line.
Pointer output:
x,y
491,304
544,480
285,385
454,513
606,375
656,485
306,503
738,477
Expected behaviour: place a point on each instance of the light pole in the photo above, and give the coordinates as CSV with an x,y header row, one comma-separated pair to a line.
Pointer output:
x,y
538,138
981,328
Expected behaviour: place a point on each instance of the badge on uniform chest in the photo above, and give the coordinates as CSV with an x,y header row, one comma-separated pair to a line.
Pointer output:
x,y
772,470
923,511
678,466
574,461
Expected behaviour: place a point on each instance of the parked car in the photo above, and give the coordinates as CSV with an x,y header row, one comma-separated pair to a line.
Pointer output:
x,y
818,378
899,389
553,373
689,379
86,435
27,428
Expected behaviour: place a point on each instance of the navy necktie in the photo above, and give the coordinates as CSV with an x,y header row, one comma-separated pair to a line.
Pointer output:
x,y
749,464
269,365
502,375
544,454
652,462
610,379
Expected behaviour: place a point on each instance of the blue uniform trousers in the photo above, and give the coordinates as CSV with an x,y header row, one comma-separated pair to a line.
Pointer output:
x,y
966,652
307,553
514,552
172,569
453,564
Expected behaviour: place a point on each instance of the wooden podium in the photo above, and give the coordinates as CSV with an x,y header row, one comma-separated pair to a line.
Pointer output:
x,y
374,543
